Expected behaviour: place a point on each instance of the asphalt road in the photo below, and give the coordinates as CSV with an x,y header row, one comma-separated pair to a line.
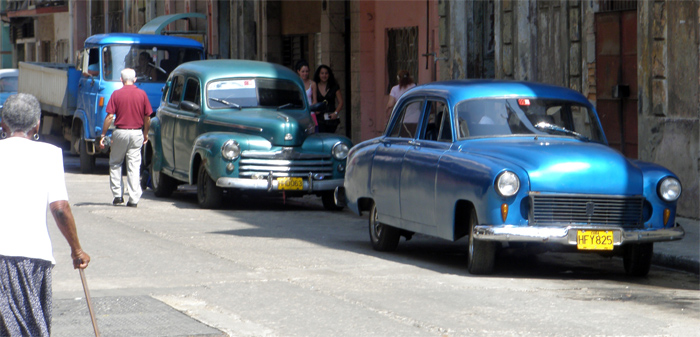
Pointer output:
x,y
276,267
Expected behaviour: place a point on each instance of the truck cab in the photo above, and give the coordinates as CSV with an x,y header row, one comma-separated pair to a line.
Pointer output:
x,y
100,63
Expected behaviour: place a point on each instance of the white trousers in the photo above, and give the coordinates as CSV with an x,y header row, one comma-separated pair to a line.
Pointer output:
x,y
126,143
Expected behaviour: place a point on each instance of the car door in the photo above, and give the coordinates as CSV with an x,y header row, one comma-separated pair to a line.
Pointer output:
x,y
386,164
186,127
89,83
168,118
420,164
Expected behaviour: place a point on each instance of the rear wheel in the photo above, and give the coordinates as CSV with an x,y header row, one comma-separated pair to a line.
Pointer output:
x,y
482,254
163,185
87,162
384,238
208,194
328,199
637,259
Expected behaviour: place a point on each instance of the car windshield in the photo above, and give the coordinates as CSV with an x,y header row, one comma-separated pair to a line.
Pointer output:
x,y
526,116
8,84
254,92
151,63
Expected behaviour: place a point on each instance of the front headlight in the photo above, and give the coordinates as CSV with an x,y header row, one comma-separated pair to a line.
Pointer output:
x,y
507,184
669,189
230,150
340,151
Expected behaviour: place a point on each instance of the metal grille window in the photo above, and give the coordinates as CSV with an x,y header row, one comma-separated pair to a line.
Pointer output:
x,y
401,54
295,48
586,209
616,5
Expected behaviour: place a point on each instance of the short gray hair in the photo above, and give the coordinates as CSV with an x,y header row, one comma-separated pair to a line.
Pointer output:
x,y
21,112
128,75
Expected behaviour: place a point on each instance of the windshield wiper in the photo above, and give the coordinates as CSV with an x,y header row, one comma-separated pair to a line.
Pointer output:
x,y
227,103
287,106
544,126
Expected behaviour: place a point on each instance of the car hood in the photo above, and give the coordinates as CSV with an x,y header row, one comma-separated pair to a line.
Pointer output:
x,y
280,128
565,165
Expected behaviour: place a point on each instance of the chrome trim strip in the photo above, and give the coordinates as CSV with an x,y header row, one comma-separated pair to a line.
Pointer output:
x,y
271,184
282,162
234,126
567,235
283,155
265,168
287,174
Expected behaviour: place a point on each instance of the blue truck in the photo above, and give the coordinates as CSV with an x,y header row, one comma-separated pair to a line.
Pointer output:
x,y
74,97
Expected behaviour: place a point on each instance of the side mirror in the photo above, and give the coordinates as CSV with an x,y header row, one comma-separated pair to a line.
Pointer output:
x,y
318,106
189,106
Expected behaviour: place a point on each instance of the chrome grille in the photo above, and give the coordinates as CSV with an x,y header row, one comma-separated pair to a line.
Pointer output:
x,y
286,163
548,209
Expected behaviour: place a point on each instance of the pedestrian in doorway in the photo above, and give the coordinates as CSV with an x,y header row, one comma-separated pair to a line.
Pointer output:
x,y
131,111
405,83
302,69
327,90
32,180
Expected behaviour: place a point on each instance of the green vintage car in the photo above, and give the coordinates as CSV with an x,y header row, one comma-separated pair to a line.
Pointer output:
x,y
237,126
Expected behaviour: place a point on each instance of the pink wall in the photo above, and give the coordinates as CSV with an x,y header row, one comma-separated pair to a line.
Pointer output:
x,y
375,18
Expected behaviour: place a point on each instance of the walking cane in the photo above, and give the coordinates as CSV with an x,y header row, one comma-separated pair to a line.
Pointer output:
x,y
89,302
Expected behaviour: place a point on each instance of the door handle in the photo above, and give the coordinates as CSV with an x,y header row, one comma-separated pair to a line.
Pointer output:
x,y
414,142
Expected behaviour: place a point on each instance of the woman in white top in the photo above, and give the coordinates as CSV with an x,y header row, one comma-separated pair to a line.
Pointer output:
x,y
302,68
405,83
32,181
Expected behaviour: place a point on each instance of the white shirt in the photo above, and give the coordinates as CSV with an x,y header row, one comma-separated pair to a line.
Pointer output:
x,y
31,177
396,91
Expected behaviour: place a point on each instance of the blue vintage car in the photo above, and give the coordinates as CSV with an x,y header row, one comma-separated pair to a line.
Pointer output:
x,y
508,164
8,84
241,127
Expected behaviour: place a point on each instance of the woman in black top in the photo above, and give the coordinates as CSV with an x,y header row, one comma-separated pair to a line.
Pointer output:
x,y
328,90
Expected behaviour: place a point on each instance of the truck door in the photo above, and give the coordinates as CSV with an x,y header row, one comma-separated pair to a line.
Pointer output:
x,y
89,86
186,127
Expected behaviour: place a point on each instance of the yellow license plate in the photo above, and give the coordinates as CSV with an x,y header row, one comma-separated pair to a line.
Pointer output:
x,y
289,183
594,240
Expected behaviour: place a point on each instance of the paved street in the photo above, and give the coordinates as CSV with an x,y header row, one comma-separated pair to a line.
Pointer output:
x,y
274,268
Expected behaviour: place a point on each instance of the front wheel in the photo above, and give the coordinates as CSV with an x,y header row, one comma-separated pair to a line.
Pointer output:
x,y
637,259
328,199
482,254
384,238
208,194
87,162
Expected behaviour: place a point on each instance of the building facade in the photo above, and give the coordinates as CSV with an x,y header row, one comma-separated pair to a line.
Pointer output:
x,y
637,61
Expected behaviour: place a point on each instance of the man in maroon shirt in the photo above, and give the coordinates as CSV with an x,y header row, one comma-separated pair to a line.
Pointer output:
x,y
132,110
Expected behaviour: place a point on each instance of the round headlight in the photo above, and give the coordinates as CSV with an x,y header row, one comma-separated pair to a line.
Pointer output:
x,y
507,184
230,150
669,189
340,151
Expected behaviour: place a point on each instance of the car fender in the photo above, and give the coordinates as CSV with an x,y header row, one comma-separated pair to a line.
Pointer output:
x,y
358,175
82,117
324,143
207,148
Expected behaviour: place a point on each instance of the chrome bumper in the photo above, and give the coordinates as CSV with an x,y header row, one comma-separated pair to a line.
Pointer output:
x,y
567,235
310,185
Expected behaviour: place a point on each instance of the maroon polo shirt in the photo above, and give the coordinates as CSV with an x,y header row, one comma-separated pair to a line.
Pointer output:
x,y
129,106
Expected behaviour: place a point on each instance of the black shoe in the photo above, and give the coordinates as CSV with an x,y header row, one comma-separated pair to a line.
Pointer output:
x,y
131,204
117,201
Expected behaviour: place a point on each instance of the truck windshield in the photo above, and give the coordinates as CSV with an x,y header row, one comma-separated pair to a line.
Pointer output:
x,y
151,63
529,116
254,92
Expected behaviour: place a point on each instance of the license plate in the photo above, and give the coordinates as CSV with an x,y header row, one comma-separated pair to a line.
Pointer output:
x,y
289,183
594,240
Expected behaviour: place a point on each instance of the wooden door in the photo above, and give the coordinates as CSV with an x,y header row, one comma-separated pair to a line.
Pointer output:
x,y
616,78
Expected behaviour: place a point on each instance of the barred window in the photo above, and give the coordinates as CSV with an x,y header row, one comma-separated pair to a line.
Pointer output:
x,y
401,54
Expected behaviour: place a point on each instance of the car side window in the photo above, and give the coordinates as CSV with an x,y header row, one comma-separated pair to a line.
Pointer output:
x,y
407,122
176,93
192,91
437,126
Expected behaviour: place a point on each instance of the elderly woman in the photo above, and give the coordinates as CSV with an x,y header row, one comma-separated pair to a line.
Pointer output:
x,y
32,180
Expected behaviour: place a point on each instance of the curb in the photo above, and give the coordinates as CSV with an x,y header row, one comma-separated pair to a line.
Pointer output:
x,y
676,262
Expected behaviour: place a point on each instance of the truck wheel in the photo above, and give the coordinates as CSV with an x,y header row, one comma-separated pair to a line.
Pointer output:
x,y
87,162
328,199
163,185
482,254
384,238
637,259
209,195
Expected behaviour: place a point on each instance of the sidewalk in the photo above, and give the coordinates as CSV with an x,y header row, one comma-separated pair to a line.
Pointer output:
x,y
683,254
